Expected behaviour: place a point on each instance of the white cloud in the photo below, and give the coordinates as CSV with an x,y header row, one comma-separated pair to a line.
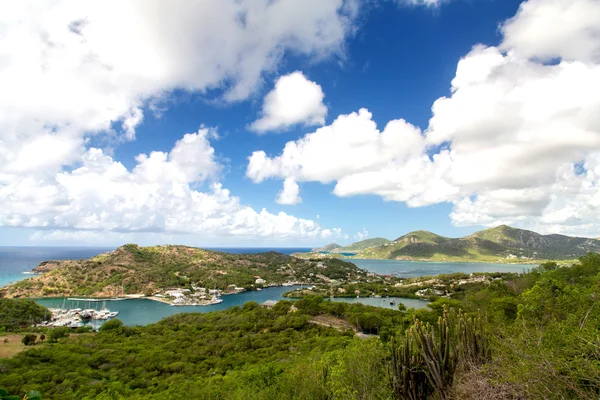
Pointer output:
x,y
290,193
547,29
517,141
362,235
294,100
73,72
361,159
426,3
159,195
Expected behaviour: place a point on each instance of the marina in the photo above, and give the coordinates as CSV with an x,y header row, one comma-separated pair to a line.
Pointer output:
x,y
70,315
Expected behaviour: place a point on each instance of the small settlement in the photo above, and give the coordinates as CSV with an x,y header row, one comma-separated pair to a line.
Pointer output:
x,y
196,296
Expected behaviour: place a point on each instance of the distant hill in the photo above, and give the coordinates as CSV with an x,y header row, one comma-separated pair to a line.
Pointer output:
x,y
145,269
364,244
329,247
502,243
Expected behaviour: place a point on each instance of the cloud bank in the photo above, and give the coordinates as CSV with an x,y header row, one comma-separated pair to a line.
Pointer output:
x,y
76,75
517,141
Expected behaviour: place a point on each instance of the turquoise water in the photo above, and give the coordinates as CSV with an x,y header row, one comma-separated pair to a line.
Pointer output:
x,y
144,311
412,269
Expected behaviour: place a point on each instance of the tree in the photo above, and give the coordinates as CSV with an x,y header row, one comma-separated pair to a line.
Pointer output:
x,y
114,325
57,333
29,339
5,341
42,337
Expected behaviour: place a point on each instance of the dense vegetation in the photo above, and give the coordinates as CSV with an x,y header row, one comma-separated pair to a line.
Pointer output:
x,y
15,314
527,336
499,244
136,269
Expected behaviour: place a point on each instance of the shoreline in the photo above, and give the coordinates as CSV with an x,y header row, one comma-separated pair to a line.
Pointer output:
x,y
417,260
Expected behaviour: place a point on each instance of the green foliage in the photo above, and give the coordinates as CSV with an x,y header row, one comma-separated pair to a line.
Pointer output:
x,y
21,313
136,269
31,395
536,333
58,333
115,325
425,361
29,339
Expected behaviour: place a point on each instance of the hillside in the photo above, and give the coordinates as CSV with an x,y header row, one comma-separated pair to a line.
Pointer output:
x,y
329,247
143,270
363,244
500,244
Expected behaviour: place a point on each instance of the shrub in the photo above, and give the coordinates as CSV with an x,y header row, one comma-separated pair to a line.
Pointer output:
x,y
29,339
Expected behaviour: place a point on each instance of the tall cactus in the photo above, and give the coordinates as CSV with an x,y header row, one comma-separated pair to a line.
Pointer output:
x,y
440,356
408,376
425,361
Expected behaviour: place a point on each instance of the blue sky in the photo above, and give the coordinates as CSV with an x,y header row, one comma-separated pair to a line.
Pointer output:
x,y
87,102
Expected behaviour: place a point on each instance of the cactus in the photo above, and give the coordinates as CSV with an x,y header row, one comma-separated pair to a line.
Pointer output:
x,y
440,356
474,345
408,377
425,361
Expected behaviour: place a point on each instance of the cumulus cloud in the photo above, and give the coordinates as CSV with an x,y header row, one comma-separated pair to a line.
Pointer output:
x,y
294,100
361,160
290,193
362,235
160,194
517,141
76,72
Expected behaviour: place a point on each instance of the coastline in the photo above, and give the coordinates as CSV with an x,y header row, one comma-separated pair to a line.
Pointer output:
x,y
338,256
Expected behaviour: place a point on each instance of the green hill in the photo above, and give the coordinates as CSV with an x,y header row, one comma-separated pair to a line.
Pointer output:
x,y
143,270
500,244
363,244
329,247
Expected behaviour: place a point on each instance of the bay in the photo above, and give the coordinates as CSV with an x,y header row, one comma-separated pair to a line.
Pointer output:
x,y
413,269
144,311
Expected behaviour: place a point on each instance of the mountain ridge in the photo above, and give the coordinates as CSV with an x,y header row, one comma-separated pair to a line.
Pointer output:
x,y
497,244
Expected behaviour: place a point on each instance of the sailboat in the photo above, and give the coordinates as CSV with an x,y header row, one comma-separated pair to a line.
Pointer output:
x,y
123,292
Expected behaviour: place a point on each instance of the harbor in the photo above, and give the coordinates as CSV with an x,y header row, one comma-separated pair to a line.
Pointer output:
x,y
76,317
145,311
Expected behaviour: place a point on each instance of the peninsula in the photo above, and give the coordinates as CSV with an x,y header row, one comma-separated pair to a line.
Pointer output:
x,y
175,274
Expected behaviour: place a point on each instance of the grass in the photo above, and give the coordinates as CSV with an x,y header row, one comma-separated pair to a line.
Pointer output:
x,y
14,345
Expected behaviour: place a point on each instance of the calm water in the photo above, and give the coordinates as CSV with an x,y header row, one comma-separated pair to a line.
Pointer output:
x,y
411,269
144,311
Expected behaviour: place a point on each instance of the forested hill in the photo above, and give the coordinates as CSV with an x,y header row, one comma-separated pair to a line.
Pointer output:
x,y
522,336
136,269
502,243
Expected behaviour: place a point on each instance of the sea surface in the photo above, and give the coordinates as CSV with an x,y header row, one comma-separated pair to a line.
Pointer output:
x,y
16,261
